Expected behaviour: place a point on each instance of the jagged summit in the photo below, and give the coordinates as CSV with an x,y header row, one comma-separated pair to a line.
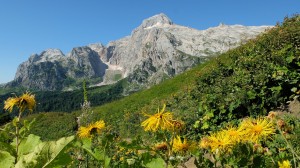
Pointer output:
x,y
155,51
47,55
96,45
52,52
79,50
160,19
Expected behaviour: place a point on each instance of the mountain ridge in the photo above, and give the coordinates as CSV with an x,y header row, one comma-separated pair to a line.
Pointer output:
x,y
155,50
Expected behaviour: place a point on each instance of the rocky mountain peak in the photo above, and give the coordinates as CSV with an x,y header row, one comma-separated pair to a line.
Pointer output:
x,y
100,49
155,51
96,46
80,51
52,52
47,55
156,20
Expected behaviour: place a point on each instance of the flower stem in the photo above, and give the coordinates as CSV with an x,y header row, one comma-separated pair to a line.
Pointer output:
x,y
291,148
17,135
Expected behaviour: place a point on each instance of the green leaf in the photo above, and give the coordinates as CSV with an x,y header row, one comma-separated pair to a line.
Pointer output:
x,y
294,89
107,161
26,126
87,146
156,163
290,58
28,144
276,89
251,95
55,149
6,160
15,121
95,153
61,160
46,154
31,159
8,148
205,125
196,124
86,143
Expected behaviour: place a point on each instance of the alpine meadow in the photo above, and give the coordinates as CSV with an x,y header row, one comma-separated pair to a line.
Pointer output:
x,y
238,107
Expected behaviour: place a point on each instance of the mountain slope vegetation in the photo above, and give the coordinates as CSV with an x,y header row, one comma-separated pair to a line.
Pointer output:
x,y
250,80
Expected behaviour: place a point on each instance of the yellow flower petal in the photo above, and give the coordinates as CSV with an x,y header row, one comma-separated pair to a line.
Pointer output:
x,y
257,129
161,120
91,129
179,145
26,101
284,164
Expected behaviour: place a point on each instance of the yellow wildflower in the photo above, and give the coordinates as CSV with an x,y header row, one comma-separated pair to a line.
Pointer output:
x,y
179,145
99,125
160,120
234,133
84,132
90,130
26,101
220,141
257,129
10,103
204,143
284,164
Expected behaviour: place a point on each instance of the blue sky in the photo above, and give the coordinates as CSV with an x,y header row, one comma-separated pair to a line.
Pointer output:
x,y
31,26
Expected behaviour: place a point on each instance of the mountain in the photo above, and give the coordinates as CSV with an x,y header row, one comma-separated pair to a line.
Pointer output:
x,y
52,70
156,50
250,80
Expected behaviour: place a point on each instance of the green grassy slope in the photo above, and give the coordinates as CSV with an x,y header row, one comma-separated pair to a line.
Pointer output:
x,y
129,106
249,80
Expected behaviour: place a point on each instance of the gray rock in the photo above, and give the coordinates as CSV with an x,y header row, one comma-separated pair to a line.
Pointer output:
x,y
156,20
156,50
159,46
52,70
85,62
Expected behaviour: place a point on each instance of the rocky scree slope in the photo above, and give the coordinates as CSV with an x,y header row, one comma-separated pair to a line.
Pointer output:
x,y
156,50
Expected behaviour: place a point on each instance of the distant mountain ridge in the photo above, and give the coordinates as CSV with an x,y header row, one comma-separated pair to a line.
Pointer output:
x,y
156,50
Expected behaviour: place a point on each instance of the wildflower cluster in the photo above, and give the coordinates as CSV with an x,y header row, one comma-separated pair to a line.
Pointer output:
x,y
250,130
172,143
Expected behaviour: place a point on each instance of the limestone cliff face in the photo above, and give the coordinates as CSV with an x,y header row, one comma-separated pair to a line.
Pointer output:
x,y
160,49
85,62
42,71
52,70
156,50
